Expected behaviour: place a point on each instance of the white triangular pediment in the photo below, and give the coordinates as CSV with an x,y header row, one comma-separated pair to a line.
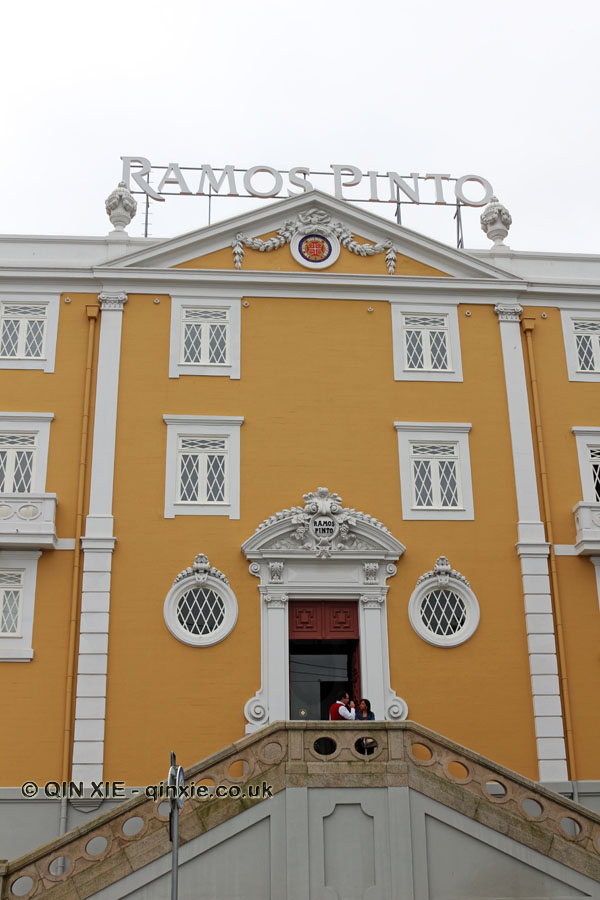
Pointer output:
x,y
172,252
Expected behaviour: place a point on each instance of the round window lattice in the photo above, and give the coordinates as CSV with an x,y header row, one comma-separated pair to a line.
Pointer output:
x,y
200,615
443,612
444,615
200,611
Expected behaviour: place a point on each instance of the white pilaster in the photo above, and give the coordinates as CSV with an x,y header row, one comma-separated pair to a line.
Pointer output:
x,y
533,552
98,545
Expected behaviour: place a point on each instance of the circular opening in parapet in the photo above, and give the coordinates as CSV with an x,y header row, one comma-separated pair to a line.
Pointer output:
x,y
421,752
366,746
457,770
325,746
164,808
239,768
21,886
532,807
59,865
133,826
495,789
96,846
571,827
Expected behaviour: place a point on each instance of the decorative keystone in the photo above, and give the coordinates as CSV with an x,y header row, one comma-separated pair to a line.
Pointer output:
x,y
495,222
201,569
120,207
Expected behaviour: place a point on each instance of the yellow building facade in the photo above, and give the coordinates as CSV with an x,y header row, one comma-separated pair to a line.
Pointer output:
x,y
295,451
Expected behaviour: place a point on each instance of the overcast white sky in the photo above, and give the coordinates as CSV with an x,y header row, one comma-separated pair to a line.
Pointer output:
x,y
508,90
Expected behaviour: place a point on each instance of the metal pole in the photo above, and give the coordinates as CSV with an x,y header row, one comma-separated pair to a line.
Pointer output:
x,y
175,851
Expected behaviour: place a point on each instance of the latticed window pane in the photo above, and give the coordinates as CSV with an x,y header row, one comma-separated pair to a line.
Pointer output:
x,y
215,479
414,350
585,352
189,478
23,471
11,607
594,454
205,336
443,612
423,484
9,343
218,344
202,470
448,483
200,611
16,462
587,326
439,350
425,321
192,343
22,331
428,450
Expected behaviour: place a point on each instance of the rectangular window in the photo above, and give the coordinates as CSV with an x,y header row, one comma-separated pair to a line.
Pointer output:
x,y
426,344
17,457
23,330
594,458
587,343
435,470
11,601
202,470
205,336
435,476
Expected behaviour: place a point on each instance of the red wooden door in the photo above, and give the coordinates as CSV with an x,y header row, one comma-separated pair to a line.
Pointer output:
x,y
323,620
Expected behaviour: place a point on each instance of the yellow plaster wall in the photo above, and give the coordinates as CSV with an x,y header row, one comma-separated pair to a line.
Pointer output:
x,y
319,401
282,261
32,695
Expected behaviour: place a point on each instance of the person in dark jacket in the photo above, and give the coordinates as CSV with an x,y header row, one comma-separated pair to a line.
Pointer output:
x,y
363,713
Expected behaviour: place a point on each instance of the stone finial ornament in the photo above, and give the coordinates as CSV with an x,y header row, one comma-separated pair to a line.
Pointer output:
x,y
495,222
120,207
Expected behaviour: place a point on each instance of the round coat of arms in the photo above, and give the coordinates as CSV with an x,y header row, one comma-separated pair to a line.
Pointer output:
x,y
315,248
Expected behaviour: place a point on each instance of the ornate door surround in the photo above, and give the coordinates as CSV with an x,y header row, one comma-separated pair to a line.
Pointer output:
x,y
324,551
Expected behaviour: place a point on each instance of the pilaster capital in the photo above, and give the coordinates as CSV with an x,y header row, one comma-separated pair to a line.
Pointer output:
x,y
112,300
373,600
508,312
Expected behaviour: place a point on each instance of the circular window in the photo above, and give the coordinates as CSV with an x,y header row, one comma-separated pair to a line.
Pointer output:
x,y
444,614
200,614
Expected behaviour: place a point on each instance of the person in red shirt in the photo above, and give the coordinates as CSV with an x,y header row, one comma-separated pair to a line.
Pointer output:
x,y
343,708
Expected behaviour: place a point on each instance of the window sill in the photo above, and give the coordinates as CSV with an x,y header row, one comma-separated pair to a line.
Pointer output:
x,y
20,654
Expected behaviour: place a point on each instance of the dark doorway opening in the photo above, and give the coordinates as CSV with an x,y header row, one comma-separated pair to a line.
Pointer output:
x,y
324,656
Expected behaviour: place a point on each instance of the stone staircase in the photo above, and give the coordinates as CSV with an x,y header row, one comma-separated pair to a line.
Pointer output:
x,y
314,755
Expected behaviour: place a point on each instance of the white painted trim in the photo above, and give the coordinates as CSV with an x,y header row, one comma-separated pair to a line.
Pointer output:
x,y
435,432
32,423
532,547
565,550
203,426
19,648
180,588
568,315
201,299
52,301
97,545
421,306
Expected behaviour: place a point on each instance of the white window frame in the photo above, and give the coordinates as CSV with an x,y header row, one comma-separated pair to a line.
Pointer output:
x,y
178,306
207,427
37,424
18,647
226,594
51,302
465,593
586,437
569,317
456,433
419,307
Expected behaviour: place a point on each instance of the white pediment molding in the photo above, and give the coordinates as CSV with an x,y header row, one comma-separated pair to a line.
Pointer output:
x,y
386,236
303,531
322,551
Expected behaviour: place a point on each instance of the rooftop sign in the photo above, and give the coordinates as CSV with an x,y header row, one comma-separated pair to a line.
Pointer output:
x,y
266,181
